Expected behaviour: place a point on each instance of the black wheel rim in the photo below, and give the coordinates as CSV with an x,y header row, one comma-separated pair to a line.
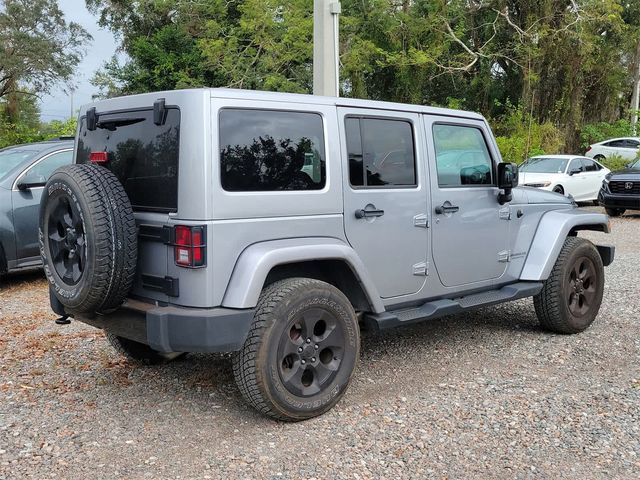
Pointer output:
x,y
582,285
67,240
310,352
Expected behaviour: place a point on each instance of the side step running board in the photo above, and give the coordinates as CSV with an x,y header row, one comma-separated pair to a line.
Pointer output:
x,y
445,306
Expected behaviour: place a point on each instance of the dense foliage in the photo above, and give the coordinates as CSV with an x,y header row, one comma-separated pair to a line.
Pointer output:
x,y
25,126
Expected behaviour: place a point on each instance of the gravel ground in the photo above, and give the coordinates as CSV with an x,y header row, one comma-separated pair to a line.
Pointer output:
x,y
482,395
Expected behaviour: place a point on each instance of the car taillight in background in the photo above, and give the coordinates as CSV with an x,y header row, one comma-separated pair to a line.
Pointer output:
x,y
588,149
190,246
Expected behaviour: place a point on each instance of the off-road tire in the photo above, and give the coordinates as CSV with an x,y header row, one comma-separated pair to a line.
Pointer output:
x,y
139,352
552,304
282,306
614,212
101,214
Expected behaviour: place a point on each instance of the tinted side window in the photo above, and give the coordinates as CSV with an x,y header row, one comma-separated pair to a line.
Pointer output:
x,y
576,165
632,143
616,144
589,165
462,156
47,166
266,150
143,155
381,152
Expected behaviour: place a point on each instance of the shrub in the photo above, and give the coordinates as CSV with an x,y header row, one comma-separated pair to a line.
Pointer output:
x,y
597,132
615,162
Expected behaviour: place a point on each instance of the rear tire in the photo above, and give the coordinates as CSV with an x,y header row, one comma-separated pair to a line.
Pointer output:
x,y
571,297
88,238
614,212
139,352
301,350
599,158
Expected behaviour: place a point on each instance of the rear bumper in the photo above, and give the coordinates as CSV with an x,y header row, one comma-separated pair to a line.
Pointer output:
x,y
177,329
610,200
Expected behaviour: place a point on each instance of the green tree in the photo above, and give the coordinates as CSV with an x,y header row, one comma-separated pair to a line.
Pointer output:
x,y
38,47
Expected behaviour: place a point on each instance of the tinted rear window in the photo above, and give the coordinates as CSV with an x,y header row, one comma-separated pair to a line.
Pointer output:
x,y
143,155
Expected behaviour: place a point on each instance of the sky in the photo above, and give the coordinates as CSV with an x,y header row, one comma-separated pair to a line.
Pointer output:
x,y
57,105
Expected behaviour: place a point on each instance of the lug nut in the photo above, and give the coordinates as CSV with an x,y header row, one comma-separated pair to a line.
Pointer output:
x,y
316,346
303,361
299,349
313,359
308,340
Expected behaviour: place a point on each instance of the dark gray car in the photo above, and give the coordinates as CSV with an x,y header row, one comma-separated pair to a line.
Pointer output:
x,y
24,170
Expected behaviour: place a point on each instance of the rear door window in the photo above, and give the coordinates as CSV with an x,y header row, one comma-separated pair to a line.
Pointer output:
x,y
381,152
143,155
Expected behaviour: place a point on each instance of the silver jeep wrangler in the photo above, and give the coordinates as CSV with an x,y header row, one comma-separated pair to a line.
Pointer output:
x,y
273,225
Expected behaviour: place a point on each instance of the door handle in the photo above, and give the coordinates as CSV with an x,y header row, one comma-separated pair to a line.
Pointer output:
x,y
362,213
447,208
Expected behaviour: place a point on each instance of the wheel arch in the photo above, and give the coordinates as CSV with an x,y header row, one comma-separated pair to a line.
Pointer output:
x,y
326,259
552,230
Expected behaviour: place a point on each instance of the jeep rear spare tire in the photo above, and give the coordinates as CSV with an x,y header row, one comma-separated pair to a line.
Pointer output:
x,y
88,238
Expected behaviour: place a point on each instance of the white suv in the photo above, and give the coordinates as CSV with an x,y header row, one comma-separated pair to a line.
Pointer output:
x,y
623,147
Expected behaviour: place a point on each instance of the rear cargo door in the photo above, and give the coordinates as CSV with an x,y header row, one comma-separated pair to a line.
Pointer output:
x,y
143,154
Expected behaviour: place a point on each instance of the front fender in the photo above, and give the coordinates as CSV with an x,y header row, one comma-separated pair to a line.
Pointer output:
x,y
552,230
257,260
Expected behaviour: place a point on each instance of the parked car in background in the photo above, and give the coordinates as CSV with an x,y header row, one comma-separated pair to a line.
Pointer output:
x,y
24,170
573,175
623,147
621,190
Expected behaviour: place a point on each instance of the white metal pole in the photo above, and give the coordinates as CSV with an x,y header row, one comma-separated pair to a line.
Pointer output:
x,y
326,75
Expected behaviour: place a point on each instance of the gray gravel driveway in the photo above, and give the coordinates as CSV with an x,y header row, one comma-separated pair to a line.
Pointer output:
x,y
481,395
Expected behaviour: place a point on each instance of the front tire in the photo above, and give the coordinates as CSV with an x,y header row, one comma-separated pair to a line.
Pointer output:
x,y
614,212
558,189
571,297
301,350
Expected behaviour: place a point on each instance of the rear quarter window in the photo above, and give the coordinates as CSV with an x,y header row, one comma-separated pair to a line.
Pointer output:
x,y
271,150
143,155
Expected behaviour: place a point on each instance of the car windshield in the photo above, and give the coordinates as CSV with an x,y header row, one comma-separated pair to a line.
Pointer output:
x,y
12,157
544,165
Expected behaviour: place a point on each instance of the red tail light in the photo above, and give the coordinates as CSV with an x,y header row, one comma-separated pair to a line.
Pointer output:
x,y
190,246
588,149
98,157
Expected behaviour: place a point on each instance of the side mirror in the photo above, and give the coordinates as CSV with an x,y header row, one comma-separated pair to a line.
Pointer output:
x,y
507,180
574,171
31,181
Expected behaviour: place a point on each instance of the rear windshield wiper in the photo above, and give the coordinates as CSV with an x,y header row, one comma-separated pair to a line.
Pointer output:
x,y
114,123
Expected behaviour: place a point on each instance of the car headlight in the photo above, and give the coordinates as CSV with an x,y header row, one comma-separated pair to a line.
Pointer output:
x,y
538,185
607,177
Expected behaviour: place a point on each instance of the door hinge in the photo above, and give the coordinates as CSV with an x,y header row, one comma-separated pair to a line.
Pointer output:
x,y
421,221
421,269
504,256
505,213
